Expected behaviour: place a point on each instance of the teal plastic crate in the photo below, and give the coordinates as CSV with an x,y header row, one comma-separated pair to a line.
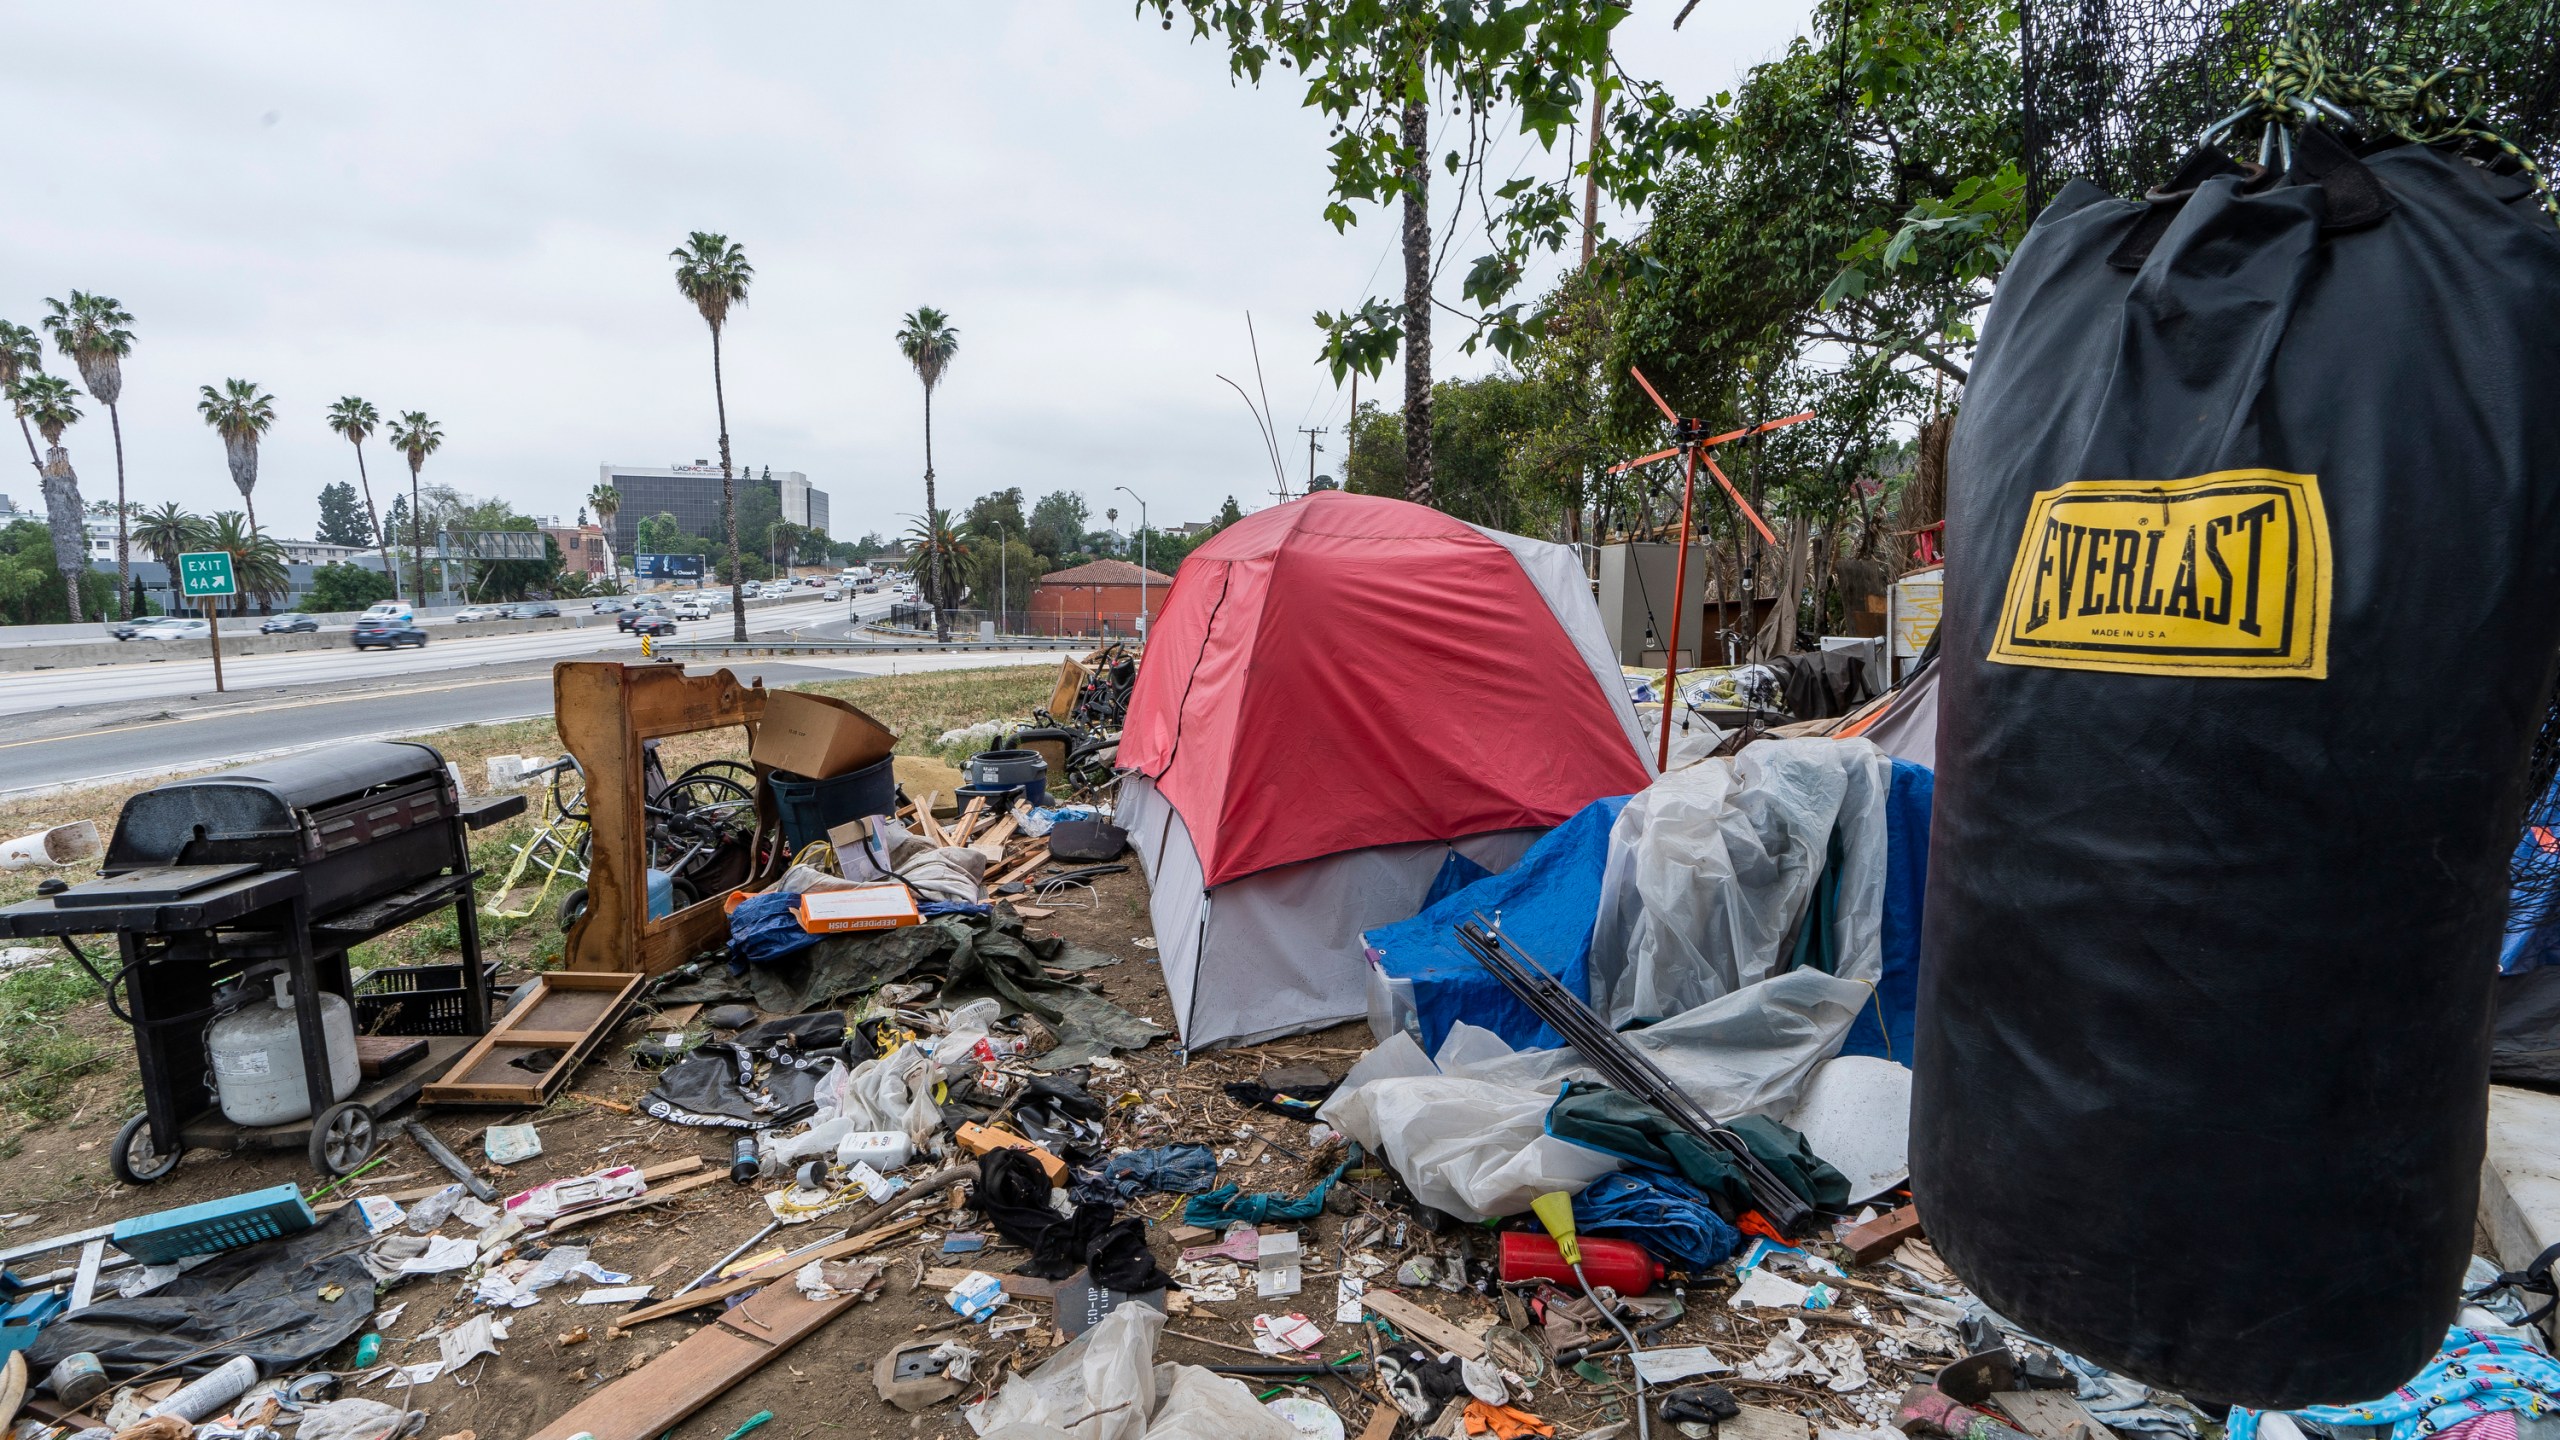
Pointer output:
x,y
214,1225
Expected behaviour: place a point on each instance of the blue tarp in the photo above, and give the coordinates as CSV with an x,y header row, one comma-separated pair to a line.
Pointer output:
x,y
1884,1028
2533,917
1547,900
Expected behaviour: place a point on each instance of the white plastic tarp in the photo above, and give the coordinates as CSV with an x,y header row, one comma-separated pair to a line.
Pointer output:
x,y
1711,869
1467,1133
1105,1386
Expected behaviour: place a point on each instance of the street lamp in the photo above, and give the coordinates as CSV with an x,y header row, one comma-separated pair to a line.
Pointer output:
x,y
1003,592
1142,556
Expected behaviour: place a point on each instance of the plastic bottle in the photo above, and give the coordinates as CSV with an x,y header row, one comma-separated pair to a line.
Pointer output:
x,y
743,1161
210,1395
368,1350
1622,1265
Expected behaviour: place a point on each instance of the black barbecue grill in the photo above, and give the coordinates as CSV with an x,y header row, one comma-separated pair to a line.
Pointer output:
x,y
212,883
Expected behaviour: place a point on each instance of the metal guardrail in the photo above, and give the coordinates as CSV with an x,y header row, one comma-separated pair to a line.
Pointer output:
x,y
656,649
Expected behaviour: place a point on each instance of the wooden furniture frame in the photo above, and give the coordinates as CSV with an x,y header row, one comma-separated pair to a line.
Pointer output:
x,y
605,710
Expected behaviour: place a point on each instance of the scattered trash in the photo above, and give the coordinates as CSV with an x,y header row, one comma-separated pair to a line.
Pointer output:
x,y
1282,1334
511,1144
977,1296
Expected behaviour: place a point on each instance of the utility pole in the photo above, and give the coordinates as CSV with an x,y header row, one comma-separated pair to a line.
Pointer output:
x,y
1312,447
1142,558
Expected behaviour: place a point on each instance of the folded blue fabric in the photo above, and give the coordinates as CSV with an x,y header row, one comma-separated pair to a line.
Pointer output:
x,y
765,928
1671,1222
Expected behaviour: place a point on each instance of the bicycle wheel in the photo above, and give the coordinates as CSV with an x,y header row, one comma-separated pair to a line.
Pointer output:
x,y
569,790
697,817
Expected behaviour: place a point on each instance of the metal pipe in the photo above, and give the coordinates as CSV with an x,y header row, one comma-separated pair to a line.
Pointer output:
x,y
436,1151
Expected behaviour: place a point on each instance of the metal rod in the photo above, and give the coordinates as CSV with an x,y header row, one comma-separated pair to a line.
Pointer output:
x,y
1679,606
479,1188
722,1263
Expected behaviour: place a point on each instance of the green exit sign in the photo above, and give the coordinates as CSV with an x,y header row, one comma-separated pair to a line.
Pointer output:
x,y
206,573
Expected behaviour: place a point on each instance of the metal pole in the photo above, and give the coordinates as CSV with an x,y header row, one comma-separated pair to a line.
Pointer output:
x,y
213,618
1142,557
1004,591
1679,604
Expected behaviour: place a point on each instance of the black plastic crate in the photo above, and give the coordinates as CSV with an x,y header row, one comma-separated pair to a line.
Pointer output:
x,y
415,1000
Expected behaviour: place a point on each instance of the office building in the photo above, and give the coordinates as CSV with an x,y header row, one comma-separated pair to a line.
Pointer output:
x,y
691,493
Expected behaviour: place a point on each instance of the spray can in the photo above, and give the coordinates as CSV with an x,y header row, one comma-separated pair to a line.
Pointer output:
x,y
743,1163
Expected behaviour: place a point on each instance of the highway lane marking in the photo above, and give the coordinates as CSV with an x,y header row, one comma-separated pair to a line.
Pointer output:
x,y
304,703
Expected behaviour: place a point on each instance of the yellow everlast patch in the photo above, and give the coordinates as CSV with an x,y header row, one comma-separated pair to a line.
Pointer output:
x,y
2225,574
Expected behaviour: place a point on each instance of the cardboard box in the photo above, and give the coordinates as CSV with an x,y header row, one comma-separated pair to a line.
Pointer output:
x,y
977,1139
817,737
864,907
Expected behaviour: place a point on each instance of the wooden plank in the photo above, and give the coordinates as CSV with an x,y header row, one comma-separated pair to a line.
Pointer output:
x,y
1461,1339
1026,867
968,822
1884,1234
931,828
763,1274
653,1174
591,1003
2049,1414
657,1397
1756,1422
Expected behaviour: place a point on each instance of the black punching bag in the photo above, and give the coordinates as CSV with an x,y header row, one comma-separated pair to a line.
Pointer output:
x,y
2253,531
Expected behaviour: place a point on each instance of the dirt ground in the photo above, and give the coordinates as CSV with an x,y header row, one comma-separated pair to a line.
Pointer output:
x,y
822,1386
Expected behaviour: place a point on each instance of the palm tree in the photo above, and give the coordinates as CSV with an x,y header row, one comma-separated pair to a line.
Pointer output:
x,y
355,419
417,437
257,563
169,532
53,406
929,341
714,274
240,415
90,329
607,503
933,556
21,355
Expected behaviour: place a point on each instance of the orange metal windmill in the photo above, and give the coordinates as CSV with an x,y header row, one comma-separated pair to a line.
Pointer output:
x,y
1691,442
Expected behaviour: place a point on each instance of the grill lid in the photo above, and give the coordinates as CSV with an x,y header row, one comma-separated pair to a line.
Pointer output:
x,y
258,809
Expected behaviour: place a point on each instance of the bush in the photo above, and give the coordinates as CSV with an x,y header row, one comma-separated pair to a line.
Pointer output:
x,y
343,587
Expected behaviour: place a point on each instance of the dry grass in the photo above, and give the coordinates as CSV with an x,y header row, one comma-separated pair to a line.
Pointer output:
x,y
41,1049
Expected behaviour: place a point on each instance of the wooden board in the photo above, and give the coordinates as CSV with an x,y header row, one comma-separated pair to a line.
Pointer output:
x,y
2049,1414
1883,1235
640,1202
379,1055
528,1057
763,1274
1463,1340
1756,1422
658,1396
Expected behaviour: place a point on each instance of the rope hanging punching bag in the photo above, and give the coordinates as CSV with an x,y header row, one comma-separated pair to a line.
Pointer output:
x,y
2253,595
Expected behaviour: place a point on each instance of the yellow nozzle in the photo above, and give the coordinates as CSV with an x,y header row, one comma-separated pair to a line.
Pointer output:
x,y
1555,1211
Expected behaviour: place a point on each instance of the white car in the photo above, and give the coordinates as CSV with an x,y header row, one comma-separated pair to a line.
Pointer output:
x,y
174,627
469,613
691,610
390,610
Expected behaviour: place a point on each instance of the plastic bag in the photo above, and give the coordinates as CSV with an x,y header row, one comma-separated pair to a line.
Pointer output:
x,y
1204,1405
1474,1149
1711,867
1101,1386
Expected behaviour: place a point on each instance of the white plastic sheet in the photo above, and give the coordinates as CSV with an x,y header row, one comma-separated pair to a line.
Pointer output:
x,y
1101,1386
1711,868
1470,1147
1204,1405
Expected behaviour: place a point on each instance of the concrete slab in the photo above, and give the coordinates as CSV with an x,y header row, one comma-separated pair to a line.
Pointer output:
x,y
2520,1176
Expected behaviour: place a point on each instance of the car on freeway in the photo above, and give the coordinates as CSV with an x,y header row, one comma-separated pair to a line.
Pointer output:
x,y
637,613
534,610
470,614
132,629
832,592
292,622
655,624
386,632
390,610
174,627
607,607
691,610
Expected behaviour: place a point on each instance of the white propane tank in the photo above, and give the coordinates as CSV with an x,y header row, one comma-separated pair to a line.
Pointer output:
x,y
256,1052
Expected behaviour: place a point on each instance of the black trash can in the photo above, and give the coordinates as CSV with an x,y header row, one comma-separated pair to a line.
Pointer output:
x,y
810,808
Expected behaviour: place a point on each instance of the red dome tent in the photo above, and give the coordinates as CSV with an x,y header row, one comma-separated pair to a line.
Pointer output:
x,y
1339,692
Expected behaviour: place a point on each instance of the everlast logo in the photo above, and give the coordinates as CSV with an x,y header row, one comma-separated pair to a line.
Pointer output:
x,y
2226,575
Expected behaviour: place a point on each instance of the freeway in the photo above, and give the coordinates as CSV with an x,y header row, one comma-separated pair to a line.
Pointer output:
x,y
61,737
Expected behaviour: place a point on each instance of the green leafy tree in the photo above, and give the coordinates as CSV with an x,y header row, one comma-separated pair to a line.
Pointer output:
x,y
354,419
1058,524
929,342
31,590
606,501
21,355
1372,68
1001,577
51,404
169,532
998,511
240,414
343,520
659,533
91,330
416,437
341,588
713,273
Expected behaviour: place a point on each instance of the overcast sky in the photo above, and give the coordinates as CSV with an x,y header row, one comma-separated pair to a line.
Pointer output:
x,y
466,209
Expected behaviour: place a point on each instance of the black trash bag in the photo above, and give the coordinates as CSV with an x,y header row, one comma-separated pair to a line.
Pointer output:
x,y
2254,547
715,1088
273,1301
1013,1193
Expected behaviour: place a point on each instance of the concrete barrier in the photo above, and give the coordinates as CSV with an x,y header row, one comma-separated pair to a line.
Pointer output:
x,y
146,652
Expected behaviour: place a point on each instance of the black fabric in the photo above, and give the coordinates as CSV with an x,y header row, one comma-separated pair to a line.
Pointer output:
x,y
2526,1046
1824,684
1298,1102
1057,1115
715,1087
802,1034
2206,982
1013,1193
273,1301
